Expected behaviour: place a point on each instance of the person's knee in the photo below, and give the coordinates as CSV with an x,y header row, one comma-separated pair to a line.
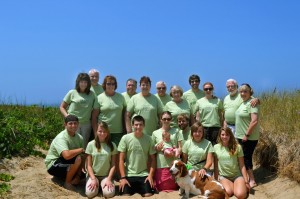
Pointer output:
x,y
78,160
240,194
91,194
147,194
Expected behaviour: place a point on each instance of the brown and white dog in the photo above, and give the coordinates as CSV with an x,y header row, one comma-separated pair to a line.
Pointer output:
x,y
190,182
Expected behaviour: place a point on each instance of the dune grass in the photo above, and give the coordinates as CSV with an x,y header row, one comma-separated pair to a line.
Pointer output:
x,y
23,128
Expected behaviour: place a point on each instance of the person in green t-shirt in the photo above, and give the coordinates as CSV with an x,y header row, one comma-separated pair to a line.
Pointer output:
x,y
135,149
210,113
101,160
161,94
183,125
64,159
146,105
112,107
247,128
194,93
95,87
229,165
130,89
83,103
198,151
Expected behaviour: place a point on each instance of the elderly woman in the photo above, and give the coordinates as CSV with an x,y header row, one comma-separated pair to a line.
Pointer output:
x,y
146,105
111,109
247,128
178,105
82,102
209,111
198,151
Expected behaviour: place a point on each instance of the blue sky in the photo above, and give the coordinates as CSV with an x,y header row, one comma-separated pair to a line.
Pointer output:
x,y
45,44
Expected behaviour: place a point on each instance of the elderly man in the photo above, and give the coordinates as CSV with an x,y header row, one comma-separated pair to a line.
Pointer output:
x,y
131,85
96,87
161,94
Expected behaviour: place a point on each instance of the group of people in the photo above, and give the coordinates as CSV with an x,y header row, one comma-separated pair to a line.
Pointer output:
x,y
136,136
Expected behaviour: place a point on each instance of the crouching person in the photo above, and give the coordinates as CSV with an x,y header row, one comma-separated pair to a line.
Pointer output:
x,y
64,159
100,163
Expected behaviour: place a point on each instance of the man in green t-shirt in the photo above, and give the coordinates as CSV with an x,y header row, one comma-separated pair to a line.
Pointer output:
x,y
64,158
135,149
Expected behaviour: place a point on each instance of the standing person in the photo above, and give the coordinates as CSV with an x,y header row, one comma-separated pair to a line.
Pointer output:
x,y
146,105
178,105
131,85
198,151
232,102
194,93
112,107
135,149
64,159
229,165
210,113
161,94
163,179
100,163
247,128
83,103
183,125
96,87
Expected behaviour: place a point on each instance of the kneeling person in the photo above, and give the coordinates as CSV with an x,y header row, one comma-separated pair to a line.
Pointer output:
x,y
64,159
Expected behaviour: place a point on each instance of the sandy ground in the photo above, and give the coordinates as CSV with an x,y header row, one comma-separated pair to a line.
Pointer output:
x,y
32,181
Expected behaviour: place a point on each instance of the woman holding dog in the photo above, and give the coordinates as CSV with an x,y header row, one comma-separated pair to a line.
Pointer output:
x,y
229,165
198,151
163,179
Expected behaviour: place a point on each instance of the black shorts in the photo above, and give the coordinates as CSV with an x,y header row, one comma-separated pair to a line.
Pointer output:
x,y
137,186
61,167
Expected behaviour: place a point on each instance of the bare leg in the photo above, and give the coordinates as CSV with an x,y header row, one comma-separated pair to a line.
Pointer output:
x,y
73,170
251,178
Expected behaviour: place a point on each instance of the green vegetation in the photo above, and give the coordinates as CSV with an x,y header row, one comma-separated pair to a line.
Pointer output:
x,y
4,187
24,128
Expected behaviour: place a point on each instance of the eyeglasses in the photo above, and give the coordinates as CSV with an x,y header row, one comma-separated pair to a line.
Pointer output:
x,y
230,86
110,84
166,119
208,89
161,88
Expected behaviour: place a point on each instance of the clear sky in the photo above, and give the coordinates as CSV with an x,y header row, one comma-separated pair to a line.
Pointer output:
x,y
44,44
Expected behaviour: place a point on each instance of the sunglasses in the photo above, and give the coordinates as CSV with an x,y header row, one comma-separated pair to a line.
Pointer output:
x,y
231,86
166,119
110,84
208,89
161,88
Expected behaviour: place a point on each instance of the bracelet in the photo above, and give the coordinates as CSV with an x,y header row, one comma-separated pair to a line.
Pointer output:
x,y
124,177
247,135
205,169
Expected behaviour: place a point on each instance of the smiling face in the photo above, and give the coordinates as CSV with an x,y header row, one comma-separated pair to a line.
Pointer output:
x,y
198,134
101,134
161,89
231,88
94,76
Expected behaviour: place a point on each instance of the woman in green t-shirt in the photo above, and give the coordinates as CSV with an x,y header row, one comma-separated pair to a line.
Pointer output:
x,y
101,158
229,165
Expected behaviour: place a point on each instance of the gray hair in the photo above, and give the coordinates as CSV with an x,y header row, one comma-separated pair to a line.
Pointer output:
x,y
93,71
232,80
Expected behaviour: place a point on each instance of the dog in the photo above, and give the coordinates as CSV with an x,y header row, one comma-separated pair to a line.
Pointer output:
x,y
190,182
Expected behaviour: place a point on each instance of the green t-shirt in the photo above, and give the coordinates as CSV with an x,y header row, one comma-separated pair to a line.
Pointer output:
x,y
127,97
111,111
231,104
175,137
81,105
62,142
148,107
192,98
98,89
137,152
185,135
165,99
176,109
243,119
209,111
197,152
101,160
228,165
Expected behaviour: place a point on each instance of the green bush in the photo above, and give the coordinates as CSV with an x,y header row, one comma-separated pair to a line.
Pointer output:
x,y
25,127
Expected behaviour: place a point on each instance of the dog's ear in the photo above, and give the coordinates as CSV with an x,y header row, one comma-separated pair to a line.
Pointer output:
x,y
183,170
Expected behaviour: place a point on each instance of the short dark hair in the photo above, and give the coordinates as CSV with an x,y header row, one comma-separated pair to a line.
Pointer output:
x,y
112,78
138,118
145,79
194,77
71,118
83,77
